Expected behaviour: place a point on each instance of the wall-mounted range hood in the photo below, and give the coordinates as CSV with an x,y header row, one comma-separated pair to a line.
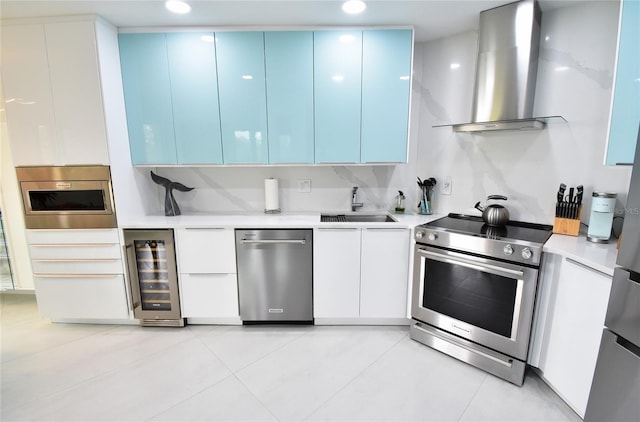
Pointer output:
x,y
507,66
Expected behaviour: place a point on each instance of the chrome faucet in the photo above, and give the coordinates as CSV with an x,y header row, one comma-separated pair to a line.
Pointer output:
x,y
354,199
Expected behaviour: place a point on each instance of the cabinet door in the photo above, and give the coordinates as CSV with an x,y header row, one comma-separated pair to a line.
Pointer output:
x,y
337,91
386,73
206,251
88,297
385,273
575,329
209,295
27,92
77,96
625,112
194,95
336,273
289,71
243,109
147,95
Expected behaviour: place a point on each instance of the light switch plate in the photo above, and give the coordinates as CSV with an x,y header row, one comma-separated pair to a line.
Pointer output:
x,y
304,185
446,186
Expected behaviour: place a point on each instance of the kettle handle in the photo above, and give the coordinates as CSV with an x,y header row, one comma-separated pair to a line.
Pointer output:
x,y
504,198
478,207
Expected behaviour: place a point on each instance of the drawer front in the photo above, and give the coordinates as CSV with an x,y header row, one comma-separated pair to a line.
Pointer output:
x,y
206,251
75,251
209,295
97,297
72,236
77,266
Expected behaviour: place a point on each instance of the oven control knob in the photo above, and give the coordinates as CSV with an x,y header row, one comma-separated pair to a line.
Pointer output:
x,y
508,250
419,235
526,253
432,236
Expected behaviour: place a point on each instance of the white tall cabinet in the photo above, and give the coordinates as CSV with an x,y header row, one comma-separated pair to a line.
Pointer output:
x,y
360,275
53,94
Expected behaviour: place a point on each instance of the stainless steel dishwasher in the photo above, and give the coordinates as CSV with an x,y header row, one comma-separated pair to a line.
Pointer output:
x,y
275,275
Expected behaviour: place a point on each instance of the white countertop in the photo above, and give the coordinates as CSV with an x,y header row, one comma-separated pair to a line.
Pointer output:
x,y
262,220
599,256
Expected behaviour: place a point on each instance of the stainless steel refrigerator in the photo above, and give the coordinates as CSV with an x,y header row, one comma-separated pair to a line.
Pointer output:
x,y
615,390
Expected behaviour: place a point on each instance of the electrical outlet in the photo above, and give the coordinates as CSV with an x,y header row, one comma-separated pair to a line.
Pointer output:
x,y
304,185
446,186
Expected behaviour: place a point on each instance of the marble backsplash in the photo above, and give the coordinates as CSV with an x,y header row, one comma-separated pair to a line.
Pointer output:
x,y
241,189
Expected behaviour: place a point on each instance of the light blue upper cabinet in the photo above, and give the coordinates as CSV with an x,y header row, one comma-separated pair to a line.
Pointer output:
x,y
242,94
625,113
386,73
289,71
337,90
147,94
194,92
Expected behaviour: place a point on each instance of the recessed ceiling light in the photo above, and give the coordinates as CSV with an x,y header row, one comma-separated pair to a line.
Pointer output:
x,y
353,7
177,6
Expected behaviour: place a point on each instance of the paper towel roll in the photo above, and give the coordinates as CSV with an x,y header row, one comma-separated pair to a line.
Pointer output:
x,y
271,199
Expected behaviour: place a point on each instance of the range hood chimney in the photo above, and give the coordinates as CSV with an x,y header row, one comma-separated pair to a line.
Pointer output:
x,y
508,46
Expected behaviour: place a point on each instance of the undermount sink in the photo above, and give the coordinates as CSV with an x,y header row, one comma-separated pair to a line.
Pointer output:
x,y
357,218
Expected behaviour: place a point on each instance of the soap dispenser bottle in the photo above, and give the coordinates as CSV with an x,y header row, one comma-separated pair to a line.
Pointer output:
x,y
400,202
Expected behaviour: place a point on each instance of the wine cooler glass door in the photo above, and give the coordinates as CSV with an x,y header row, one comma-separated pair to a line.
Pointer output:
x,y
154,286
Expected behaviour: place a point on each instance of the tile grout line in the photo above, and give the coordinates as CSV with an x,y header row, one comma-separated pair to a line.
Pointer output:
x,y
199,339
466,408
67,343
356,376
87,380
234,373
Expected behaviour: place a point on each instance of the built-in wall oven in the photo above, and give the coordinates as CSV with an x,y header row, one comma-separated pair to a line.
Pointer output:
x,y
67,197
474,288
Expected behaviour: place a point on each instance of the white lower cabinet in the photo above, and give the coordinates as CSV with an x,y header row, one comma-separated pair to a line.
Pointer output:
x,y
208,280
78,274
209,295
81,297
336,273
384,276
572,305
361,275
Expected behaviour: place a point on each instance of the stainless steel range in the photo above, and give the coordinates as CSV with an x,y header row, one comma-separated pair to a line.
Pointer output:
x,y
474,288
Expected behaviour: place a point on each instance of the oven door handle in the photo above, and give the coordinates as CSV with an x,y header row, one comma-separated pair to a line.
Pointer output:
x,y
493,269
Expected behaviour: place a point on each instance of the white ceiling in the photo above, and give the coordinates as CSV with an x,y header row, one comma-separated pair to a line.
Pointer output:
x,y
432,19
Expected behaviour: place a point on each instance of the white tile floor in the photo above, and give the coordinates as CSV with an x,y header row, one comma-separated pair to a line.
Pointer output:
x,y
77,372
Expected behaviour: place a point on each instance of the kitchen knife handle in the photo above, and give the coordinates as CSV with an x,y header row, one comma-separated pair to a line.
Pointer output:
x,y
561,192
570,195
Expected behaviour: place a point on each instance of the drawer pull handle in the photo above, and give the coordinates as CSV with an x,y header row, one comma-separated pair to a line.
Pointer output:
x,y
76,275
78,260
73,245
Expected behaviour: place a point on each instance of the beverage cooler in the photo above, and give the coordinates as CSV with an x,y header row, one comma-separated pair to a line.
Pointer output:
x,y
151,264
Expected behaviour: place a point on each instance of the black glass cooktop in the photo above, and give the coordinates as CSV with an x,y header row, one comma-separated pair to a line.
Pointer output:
x,y
475,226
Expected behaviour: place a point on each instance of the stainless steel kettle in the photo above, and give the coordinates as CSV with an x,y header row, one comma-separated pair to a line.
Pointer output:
x,y
494,214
